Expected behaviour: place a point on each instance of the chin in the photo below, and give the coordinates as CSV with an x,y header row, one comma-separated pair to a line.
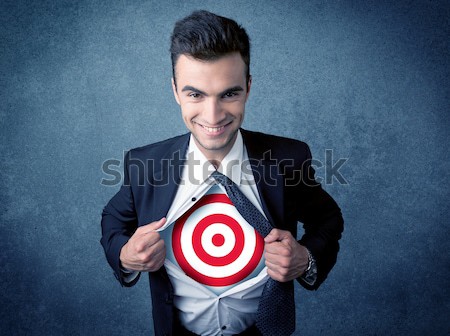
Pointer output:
x,y
216,145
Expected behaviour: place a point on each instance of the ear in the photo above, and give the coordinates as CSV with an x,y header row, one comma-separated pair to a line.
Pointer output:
x,y
175,93
249,84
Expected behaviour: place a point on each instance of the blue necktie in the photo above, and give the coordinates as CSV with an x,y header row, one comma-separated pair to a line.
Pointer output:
x,y
276,309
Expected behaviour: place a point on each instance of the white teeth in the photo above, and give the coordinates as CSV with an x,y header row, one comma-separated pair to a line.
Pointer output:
x,y
213,129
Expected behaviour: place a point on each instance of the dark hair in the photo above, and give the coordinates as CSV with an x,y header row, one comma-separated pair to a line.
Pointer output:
x,y
207,36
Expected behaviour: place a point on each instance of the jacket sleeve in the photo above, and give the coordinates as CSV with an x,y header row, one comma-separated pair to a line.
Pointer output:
x,y
322,221
119,221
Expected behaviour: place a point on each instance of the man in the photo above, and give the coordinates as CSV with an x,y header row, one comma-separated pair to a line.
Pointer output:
x,y
218,273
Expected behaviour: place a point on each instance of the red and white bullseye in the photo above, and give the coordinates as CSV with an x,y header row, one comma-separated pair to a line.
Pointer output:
x,y
214,245
218,244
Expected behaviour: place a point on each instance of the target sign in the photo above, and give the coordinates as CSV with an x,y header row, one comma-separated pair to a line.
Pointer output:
x,y
214,245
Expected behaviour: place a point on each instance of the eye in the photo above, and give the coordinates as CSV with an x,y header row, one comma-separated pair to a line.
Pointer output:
x,y
194,95
230,94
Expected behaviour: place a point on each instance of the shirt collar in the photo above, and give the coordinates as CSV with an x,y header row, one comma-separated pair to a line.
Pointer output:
x,y
200,168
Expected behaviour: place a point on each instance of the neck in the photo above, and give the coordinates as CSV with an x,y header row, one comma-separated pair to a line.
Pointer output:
x,y
215,163
215,156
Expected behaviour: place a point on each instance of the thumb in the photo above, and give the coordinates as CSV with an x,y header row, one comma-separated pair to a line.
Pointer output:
x,y
276,235
154,226
272,236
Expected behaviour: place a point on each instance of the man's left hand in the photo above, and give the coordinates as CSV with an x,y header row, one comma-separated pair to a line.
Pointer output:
x,y
286,259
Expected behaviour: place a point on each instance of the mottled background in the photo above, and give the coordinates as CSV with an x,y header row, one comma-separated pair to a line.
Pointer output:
x,y
82,81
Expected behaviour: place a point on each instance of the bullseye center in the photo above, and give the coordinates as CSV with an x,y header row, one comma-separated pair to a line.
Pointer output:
x,y
218,239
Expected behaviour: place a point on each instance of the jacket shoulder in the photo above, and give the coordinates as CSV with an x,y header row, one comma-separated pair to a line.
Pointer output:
x,y
160,148
260,143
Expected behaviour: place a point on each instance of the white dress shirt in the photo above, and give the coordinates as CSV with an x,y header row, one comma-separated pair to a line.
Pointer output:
x,y
202,309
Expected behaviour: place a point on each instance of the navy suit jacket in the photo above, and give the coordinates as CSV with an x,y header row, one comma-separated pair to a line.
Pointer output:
x,y
286,185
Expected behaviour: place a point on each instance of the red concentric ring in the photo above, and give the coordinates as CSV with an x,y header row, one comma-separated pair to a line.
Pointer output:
x,y
204,256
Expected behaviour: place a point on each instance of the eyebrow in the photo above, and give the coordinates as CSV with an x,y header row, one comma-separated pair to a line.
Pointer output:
x,y
193,89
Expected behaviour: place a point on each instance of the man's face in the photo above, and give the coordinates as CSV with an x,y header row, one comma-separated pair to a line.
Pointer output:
x,y
212,97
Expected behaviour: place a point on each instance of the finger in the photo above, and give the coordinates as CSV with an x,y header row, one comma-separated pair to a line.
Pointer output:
x,y
278,248
277,276
271,263
272,274
156,248
153,226
280,259
282,270
272,236
275,269
156,259
146,253
153,239
144,240
156,225
277,235
272,248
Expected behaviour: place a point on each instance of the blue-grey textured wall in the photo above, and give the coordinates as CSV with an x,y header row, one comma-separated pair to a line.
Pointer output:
x,y
81,81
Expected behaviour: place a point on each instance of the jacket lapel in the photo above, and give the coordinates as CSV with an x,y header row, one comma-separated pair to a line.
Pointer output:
x,y
168,177
269,181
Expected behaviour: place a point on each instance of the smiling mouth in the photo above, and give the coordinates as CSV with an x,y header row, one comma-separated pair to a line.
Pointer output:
x,y
213,130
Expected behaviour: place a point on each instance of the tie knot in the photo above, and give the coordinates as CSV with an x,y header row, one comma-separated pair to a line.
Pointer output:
x,y
222,179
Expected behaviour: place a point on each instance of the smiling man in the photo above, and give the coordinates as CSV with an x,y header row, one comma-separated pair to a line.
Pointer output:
x,y
212,215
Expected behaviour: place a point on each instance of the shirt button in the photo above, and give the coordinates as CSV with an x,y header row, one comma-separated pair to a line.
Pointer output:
x,y
193,199
224,327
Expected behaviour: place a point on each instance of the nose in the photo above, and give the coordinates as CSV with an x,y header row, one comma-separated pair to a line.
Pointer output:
x,y
213,113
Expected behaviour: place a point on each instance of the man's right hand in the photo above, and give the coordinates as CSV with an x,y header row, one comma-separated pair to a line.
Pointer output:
x,y
145,250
